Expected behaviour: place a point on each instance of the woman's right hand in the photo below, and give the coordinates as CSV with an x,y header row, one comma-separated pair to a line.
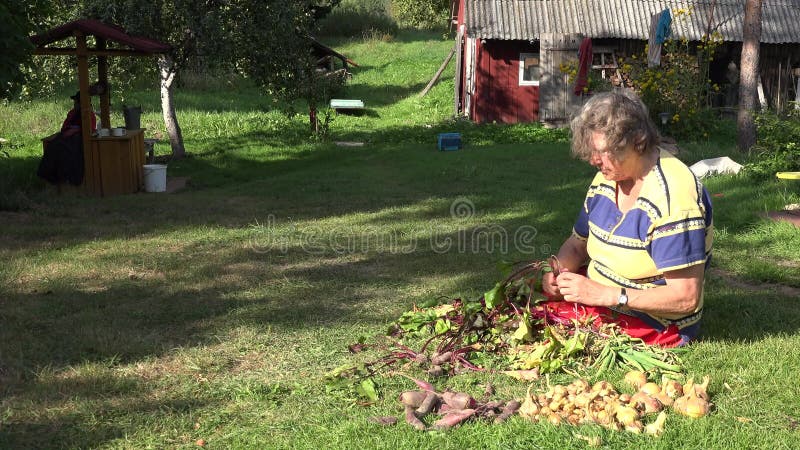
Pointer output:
x,y
550,286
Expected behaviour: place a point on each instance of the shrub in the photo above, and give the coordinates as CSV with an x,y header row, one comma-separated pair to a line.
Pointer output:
x,y
679,86
353,18
422,14
777,147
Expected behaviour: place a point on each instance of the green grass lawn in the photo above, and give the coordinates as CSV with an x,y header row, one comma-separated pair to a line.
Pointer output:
x,y
153,320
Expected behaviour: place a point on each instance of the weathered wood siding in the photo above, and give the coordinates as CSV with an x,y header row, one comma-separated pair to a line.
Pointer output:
x,y
557,101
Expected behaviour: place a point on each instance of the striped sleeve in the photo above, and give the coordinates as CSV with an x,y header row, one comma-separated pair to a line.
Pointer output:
x,y
581,228
679,240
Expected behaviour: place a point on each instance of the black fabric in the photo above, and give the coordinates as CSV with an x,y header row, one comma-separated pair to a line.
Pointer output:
x,y
62,161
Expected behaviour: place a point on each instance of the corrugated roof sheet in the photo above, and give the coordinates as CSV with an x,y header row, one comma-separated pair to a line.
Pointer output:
x,y
629,19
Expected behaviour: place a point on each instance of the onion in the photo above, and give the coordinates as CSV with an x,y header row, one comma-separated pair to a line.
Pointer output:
x,y
650,388
657,427
672,388
636,378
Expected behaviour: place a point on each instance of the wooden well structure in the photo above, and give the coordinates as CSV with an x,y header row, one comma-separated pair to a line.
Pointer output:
x,y
112,165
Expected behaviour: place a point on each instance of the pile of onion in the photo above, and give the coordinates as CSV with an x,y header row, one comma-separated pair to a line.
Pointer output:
x,y
582,403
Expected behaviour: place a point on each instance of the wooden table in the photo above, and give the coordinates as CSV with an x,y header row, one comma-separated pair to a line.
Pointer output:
x,y
116,163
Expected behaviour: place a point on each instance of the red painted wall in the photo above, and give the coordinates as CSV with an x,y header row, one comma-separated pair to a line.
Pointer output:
x,y
498,95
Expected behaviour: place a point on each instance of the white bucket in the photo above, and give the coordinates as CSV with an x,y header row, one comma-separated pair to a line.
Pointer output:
x,y
155,177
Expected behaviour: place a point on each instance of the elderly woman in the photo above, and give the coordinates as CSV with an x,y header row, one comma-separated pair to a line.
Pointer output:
x,y
645,229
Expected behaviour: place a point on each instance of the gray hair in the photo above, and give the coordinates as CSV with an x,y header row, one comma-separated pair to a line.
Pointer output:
x,y
620,116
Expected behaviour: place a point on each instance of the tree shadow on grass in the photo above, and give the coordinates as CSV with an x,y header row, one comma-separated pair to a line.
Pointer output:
x,y
93,426
379,96
744,315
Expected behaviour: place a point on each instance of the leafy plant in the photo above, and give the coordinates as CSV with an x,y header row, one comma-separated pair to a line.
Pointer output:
x,y
778,146
422,14
680,85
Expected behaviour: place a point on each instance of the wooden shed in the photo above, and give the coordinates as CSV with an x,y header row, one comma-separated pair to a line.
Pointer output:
x,y
510,51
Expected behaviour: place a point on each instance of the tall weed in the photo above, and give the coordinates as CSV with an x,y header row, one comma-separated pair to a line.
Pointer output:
x,y
355,18
778,145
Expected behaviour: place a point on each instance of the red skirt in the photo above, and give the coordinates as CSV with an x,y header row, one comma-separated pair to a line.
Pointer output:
x,y
632,326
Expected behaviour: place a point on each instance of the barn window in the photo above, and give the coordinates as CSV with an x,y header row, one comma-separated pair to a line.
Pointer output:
x,y
604,60
529,69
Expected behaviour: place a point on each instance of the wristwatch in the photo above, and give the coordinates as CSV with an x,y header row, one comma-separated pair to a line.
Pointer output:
x,y
623,298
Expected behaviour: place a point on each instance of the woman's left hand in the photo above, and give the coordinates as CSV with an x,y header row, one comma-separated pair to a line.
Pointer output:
x,y
579,289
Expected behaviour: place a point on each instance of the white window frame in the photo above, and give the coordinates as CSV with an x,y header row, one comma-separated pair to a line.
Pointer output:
x,y
522,57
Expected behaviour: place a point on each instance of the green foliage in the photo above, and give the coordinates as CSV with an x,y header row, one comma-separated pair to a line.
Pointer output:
x,y
18,19
680,85
354,18
422,14
778,146
15,47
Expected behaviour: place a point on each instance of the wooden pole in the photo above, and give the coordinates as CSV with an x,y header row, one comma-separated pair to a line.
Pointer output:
x,y
458,79
102,77
439,72
89,178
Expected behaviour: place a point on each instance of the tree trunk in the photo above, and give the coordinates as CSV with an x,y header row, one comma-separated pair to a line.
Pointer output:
x,y
166,68
749,75
312,118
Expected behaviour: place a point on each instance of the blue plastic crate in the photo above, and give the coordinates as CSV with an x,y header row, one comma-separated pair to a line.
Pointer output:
x,y
449,141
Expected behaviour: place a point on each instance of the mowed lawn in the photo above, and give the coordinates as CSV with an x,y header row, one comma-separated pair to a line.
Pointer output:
x,y
156,320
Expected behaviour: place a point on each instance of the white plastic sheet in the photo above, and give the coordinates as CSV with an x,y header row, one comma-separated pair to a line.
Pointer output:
x,y
715,165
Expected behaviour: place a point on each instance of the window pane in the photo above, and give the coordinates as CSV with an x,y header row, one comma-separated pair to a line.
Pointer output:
x,y
531,71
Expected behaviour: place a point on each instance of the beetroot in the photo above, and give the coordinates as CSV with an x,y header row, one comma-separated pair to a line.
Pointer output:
x,y
427,405
441,358
413,398
508,411
413,420
453,419
458,400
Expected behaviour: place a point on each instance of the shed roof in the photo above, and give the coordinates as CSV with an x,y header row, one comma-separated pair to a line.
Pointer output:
x,y
102,30
627,19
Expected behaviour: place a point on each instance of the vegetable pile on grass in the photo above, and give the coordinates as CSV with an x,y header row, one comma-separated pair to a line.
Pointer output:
x,y
576,403
509,330
581,403
453,408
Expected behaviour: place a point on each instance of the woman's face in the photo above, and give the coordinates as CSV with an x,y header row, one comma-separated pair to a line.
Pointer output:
x,y
612,168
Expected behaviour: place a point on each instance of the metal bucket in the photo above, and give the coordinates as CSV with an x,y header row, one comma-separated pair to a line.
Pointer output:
x,y
132,115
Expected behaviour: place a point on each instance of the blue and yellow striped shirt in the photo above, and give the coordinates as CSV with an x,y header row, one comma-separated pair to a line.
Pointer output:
x,y
668,228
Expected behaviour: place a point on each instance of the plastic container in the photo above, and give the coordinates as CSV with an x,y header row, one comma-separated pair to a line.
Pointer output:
x,y
449,141
155,177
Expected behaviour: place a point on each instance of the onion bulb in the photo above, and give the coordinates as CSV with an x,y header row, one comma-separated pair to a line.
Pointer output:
x,y
657,427
636,378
